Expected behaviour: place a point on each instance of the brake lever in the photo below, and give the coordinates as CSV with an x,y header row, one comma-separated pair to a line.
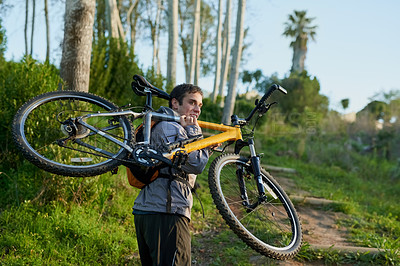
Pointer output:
x,y
265,108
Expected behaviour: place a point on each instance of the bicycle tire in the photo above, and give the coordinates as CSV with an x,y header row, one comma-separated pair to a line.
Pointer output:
x,y
37,128
272,228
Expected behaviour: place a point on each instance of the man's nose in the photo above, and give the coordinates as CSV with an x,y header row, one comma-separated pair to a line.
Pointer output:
x,y
197,108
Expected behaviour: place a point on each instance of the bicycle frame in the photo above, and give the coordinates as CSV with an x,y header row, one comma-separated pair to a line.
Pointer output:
x,y
229,133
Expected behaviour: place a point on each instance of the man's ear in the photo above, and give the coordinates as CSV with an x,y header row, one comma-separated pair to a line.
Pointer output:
x,y
174,103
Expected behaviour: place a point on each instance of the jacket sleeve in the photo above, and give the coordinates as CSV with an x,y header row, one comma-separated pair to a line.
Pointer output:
x,y
168,132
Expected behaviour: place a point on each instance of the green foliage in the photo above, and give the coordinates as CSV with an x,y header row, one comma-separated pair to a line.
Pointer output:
x,y
112,68
345,103
211,112
18,83
303,95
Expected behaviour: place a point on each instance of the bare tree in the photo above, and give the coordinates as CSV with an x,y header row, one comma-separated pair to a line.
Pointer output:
x,y
236,57
218,53
26,26
132,23
172,40
198,57
154,23
226,50
77,45
33,24
193,46
114,20
46,16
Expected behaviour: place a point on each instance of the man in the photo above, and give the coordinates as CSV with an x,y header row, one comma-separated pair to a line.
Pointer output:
x,y
162,208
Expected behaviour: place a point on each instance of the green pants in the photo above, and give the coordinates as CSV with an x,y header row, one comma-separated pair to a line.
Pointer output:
x,y
163,239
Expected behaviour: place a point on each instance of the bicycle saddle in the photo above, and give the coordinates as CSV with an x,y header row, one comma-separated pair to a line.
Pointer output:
x,y
139,85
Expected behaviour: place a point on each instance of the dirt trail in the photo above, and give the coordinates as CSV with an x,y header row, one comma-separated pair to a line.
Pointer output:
x,y
319,226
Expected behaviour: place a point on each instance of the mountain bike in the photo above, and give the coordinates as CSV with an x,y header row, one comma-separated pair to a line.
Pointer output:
x,y
80,134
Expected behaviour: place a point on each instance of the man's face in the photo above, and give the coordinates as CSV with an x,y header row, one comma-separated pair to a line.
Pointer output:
x,y
191,105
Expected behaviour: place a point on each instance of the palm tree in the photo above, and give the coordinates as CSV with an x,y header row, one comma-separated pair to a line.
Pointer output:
x,y
299,28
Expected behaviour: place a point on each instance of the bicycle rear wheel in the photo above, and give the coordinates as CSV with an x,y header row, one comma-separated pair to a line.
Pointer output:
x,y
271,227
40,124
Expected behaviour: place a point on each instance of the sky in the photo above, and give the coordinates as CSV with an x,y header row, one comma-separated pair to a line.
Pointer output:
x,y
356,53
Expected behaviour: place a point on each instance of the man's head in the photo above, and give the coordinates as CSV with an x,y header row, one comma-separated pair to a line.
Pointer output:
x,y
187,99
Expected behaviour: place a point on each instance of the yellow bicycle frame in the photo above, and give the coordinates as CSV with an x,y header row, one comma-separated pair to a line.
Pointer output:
x,y
230,133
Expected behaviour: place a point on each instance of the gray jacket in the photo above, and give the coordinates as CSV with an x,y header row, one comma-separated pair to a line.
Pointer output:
x,y
153,197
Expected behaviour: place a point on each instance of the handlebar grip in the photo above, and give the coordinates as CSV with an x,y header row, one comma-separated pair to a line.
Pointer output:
x,y
271,89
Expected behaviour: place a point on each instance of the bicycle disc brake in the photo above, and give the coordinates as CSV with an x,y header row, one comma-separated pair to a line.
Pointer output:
x,y
72,129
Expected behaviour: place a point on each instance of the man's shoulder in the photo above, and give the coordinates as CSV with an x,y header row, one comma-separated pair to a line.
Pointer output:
x,y
168,128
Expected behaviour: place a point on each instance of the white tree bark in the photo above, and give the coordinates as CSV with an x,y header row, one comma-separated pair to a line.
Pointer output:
x,y
114,20
236,57
33,24
172,40
226,48
198,57
155,38
131,24
218,54
77,45
26,26
193,48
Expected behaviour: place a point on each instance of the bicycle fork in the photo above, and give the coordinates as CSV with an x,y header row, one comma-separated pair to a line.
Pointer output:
x,y
255,163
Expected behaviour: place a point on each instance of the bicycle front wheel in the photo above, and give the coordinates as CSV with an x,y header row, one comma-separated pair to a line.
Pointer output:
x,y
46,132
270,226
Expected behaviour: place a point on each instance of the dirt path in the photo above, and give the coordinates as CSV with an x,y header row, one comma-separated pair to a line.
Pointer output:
x,y
319,226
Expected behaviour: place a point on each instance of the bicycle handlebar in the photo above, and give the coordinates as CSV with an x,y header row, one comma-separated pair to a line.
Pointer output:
x,y
271,89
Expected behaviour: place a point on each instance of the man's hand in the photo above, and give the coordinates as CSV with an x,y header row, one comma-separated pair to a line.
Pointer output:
x,y
188,121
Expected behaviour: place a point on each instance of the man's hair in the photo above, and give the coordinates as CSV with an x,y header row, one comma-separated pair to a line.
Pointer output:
x,y
181,90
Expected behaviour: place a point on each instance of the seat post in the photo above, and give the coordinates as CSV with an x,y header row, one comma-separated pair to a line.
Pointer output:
x,y
149,100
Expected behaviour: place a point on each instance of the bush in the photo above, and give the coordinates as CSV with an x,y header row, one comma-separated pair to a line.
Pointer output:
x,y
112,68
19,82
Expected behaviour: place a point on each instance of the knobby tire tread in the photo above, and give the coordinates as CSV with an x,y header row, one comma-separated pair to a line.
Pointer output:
x,y
234,225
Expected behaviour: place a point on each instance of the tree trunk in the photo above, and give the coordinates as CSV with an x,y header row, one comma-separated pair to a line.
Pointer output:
x,y
157,37
114,21
236,56
196,28
77,45
46,15
155,31
218,54
184,41
226,51
132,24
172,40
33,23
198,57
26,26
299,56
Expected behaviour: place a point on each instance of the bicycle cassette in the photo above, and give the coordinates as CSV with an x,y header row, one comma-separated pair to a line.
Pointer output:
x,y
146,156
